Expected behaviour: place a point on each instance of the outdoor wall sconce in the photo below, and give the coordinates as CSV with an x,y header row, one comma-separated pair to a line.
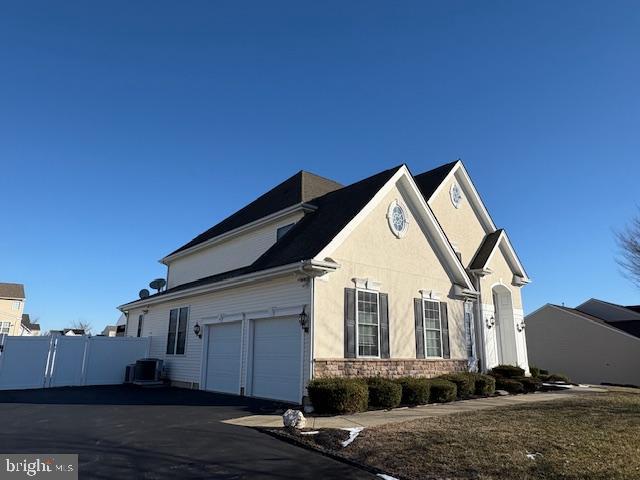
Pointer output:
x,y
521,326
304,319
197,330
490,321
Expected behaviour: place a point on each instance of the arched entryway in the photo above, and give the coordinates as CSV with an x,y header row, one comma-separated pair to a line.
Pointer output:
x,y
505,326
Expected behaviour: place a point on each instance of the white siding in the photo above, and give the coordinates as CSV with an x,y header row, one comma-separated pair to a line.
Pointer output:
x,y
267,295
585,350
228,255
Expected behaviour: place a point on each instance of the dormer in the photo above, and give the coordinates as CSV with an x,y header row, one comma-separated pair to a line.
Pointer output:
x,y
241,238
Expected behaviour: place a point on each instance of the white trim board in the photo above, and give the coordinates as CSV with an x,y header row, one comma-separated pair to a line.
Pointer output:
x,y
425,217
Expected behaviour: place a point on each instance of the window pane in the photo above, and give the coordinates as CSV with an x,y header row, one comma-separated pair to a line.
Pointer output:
x,y
171,336
182,330
468,333
432,329
433,343
140,317
368,324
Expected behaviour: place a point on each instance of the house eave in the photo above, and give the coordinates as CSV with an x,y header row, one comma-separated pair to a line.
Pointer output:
x,y
306,267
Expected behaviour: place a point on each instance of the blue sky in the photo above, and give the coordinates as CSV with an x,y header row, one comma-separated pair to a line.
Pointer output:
x,y
126,128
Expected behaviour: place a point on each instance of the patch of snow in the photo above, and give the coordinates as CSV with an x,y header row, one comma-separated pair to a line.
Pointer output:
x,y
558,385
532,456
384,476
353,433
584,386
313,432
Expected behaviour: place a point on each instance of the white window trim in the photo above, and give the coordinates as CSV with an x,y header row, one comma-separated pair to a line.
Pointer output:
x,y
424,327
6,325
377,294
186,332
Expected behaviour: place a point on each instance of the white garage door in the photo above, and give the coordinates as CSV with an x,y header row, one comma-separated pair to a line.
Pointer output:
x,y
277,361
223,358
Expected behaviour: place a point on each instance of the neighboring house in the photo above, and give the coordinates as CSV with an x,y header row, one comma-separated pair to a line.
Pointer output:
x,y
12,299
595,342
27,328
121,326
109,331
69,332
393,275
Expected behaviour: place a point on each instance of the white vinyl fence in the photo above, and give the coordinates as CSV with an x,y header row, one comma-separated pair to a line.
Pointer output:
x,y
60,361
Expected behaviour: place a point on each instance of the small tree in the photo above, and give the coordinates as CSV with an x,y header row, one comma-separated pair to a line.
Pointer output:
x,y
629,242
82,325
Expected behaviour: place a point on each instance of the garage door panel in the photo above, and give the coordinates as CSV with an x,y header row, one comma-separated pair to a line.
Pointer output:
x,y
223,357
277,359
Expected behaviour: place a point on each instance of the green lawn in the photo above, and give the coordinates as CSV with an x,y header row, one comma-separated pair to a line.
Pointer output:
x,y
591,436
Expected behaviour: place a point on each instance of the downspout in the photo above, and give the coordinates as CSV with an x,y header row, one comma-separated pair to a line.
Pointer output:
x,y
482,358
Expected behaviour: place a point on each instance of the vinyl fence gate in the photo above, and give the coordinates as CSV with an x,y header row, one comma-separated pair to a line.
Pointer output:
x,y
61,361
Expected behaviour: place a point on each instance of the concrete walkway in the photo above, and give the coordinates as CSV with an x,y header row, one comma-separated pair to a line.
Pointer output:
x,y
404,414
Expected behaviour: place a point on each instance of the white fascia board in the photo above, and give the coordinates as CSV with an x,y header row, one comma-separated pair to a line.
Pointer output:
x,y
461,174
603,324
510,256
425,214
299,207
303,267
202,289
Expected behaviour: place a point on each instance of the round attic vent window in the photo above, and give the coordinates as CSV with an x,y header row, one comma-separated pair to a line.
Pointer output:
x,y
397,217
456,195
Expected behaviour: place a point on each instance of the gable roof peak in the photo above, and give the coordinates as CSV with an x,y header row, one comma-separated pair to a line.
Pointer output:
x,y
429,181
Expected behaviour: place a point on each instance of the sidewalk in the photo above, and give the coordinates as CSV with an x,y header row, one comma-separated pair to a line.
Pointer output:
x,y
404,414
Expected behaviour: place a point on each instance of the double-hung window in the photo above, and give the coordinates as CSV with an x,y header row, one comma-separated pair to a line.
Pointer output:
x,y
368,323
432,328
177,336
5,327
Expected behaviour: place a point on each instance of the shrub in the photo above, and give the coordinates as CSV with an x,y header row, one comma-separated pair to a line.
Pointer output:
x,y
530,384
506,371
465,383
415,391
442,391
384,393
544,372
553,377
535,372
510,385
484,384
338,395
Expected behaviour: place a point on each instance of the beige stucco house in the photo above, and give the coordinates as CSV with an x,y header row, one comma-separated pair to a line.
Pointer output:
x,y
12,299
397,274
596,342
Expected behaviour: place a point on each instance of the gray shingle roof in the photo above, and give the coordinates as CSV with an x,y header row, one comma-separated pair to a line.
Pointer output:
x,y
429,181
26,322
312,233
12,290
300,188
632,327
484,251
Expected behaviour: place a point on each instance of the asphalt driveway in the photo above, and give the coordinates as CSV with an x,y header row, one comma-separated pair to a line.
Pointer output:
x,y
129,432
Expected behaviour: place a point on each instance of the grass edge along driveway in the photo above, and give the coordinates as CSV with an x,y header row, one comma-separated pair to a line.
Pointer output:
x,y
594,436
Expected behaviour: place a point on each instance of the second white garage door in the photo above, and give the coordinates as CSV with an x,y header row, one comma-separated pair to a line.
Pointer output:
x,y
277,361
223,358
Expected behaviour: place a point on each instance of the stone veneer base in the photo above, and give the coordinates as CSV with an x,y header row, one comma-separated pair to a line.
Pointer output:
x,y
389,368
